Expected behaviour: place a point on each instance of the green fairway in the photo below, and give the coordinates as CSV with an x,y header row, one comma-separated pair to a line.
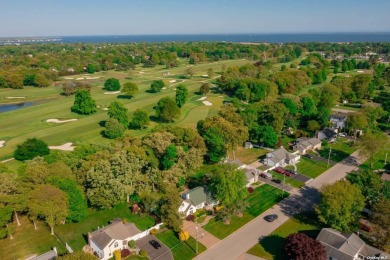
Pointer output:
x,y
28,122
259,201
28,241
75,233
180,250
271,247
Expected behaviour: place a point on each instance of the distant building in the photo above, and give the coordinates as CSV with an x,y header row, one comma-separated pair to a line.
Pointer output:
x,y
341,246
304,144
195,199
338,120
281,157
327,134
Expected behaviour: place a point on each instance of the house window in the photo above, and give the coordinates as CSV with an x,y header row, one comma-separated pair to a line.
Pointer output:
x,y
182,204
116,244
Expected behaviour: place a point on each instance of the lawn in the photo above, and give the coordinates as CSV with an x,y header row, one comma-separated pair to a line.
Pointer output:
x,y
48,103
311,168
290,181
262,199
180,250
379,160
248,156
341,149
75,233
271,247
28,241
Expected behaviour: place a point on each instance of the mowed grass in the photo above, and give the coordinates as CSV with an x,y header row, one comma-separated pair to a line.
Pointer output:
x,y
75,234
249,156
311,168
271,247
263,198
18,125
180,250
290,181
28,241
341,149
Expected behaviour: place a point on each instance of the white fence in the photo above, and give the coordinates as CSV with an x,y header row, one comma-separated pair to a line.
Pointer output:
x,y
146,232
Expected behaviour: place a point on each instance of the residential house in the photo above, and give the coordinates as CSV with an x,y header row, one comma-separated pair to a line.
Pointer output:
x,y
251,175
281,157
338,120
304,144
195,199
327,134
104,241
50,255
341,246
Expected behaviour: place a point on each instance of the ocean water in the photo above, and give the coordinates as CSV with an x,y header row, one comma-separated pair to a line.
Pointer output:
x,y
270,38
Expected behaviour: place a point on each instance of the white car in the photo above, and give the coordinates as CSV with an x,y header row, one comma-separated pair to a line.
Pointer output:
x,y
342,135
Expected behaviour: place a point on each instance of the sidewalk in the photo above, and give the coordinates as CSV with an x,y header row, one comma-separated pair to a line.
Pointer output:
x,y
204,237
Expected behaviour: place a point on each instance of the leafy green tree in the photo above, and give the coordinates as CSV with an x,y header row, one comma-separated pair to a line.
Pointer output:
x,y
140,119
356,121
290,105
373,113
167,110
369,183
181,95
204,88
41,81
76,201
5,220
113,129
156,86
330,94
313,126
268,136
380,235
210,72
371,144
308,107
216,149
31,148
169,214
340,215
83,103
50,204
169,157
118,111
130,89
77,255
91,68
112,84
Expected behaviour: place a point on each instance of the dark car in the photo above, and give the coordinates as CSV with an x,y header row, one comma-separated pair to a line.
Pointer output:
x,y
292,172
271,217
277,180
263,175
155,244
308,156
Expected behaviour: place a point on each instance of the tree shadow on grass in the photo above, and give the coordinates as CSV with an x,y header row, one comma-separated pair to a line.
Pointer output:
x,y
274,244
303,202
124,97
102,123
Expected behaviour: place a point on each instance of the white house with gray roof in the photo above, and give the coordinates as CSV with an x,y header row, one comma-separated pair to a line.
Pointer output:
x,y
341,246
304,144
195,199
281,157
116,236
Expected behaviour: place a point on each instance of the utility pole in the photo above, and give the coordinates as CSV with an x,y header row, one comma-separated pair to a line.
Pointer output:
x,y
330,151
196,227
386,159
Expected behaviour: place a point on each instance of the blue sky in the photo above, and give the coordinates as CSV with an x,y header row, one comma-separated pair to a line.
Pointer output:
x,y
127,17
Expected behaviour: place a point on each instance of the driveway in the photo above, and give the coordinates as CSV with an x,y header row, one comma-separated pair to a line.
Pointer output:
x,y
235,245
300,177
163,253
204,237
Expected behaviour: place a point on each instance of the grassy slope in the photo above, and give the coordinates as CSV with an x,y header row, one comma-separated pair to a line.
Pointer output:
x,y
28,122
262,199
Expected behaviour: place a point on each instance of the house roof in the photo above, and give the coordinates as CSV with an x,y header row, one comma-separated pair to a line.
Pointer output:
x,y
305,142
328,132
280,155
250,174
51,255
339,115
385,177
345,246
199,195
115,230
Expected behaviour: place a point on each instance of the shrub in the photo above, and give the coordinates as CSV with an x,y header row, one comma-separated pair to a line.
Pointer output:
x,y
251,190
117,255
143,253
190,218
153,231
30,149
112,84
184,236
131,244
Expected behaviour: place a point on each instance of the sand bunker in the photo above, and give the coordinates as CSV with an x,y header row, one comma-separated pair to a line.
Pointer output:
x,y
57,121
68,78
164,88
92,77
112,92
202,98
205,76
172,81
64,147
141,72
207,103
106,108
360,71
14,97
2,143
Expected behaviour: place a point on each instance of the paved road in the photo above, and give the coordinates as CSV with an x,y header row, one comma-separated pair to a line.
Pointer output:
x,y
234,246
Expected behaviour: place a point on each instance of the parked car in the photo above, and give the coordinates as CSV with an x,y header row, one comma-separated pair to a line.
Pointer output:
x,y
282,171
308,156
155,244
271,218
263,175
292,171
276,180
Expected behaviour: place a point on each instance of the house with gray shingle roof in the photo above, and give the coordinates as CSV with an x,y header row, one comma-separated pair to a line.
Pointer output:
x,y
50,255
304,144
197,198
281,157
347,246
115,236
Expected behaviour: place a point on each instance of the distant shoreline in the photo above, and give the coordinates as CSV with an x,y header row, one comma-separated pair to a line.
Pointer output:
x,y
236,38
